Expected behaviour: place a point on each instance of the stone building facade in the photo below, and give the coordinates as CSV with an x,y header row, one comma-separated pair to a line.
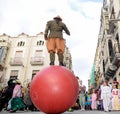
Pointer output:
x,y
107,56
23,56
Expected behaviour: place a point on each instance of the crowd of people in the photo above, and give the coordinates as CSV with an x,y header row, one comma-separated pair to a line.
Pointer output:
x,y
15,97
105,98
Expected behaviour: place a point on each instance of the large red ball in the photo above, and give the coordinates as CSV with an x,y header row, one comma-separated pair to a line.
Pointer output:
x,y
54,89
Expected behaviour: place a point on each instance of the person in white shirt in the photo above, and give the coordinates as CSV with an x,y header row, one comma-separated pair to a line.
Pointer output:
x,y
106,95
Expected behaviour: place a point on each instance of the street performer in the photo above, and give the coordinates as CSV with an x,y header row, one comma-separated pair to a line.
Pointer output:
x,y
54,39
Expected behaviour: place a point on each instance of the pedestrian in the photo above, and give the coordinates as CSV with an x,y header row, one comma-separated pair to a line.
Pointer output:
x,y
6,94
27,99
106,96
88,100
82,98
118,86
94,100
17,102
115,98
54,39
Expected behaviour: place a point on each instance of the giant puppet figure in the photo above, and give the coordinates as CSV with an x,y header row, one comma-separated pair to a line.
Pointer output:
x,y
54,39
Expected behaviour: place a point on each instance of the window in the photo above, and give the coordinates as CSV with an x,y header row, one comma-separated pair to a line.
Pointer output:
x,y
104,67
38,55
18,56
111,52
1,53
34,73
40,42
102,53
18,53
21,43
117,39
113,14
14,74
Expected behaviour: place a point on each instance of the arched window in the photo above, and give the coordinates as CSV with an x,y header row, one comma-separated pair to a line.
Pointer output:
x,y
104,67
117,39
110,48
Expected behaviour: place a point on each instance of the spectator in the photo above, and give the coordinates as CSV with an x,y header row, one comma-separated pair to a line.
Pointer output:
x,y
115,98
17,100
88,100
82,98
6,94
27,99
94,100
106,95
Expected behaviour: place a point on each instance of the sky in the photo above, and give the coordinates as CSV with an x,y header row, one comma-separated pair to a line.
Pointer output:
x,y
82,17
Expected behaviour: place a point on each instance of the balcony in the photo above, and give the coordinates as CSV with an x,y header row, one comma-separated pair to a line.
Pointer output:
x,y
16,61
110,71
37,61
112,66
116,60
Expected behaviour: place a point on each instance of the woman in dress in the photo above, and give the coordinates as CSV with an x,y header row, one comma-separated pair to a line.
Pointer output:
x,y
94,100
17,100
115,98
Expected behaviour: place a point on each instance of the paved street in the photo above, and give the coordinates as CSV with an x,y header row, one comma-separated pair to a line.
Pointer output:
x,y
74,112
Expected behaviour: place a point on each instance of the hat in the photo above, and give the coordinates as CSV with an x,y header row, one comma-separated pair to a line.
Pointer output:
x,y
18,81
14,81
58,17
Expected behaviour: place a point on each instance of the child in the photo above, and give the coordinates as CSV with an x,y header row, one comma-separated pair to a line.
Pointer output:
x,y
88,100
94,100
